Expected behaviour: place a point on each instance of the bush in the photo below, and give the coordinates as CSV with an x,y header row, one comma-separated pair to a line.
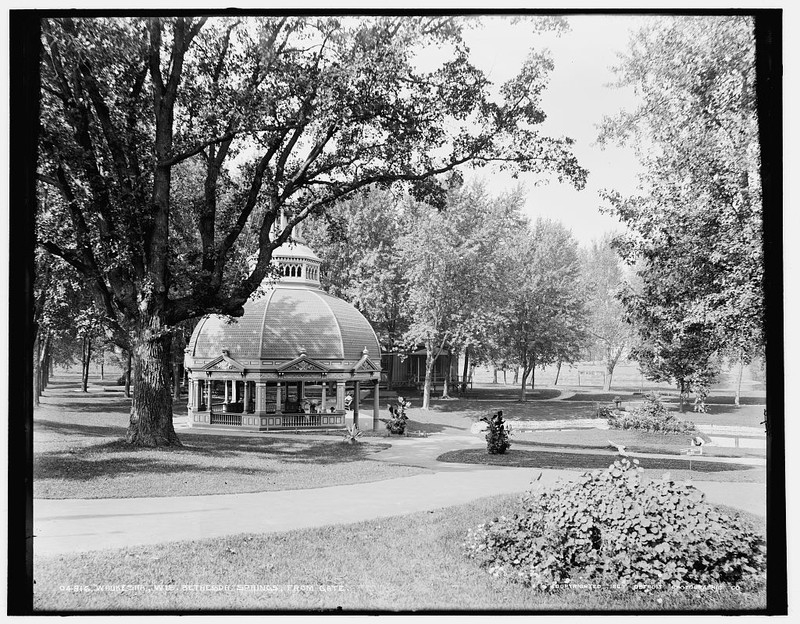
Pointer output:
x,y
397,422
497,441
651,415
612,528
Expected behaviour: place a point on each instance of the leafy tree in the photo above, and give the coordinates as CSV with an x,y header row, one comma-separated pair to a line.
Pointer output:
x,y
603,279
276,114
545,316
454,278
695,226
358,241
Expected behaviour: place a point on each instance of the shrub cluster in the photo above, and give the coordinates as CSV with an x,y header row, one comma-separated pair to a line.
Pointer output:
x,y
651,415
497,441
613,528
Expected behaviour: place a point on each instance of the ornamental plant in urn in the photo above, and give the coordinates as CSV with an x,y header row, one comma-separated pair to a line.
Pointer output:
x,y
397,423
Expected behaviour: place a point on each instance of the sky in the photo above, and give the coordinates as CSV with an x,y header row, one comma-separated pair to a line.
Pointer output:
x,y
577,99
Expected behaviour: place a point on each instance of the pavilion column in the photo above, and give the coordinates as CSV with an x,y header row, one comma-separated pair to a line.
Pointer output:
x,y
376,409
225,382
339,396
261,397
324,397
356,401
197,387
278,399
246,395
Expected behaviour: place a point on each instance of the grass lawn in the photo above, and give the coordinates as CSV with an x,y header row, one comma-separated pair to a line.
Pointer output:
x,y
653,468
79,452
103,468
403,563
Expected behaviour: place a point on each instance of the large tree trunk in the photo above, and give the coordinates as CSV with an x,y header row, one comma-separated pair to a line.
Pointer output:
x,y
516,375
494,376
102,363
151,407
558,373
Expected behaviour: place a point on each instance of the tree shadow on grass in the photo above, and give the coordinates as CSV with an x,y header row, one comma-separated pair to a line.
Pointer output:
x,y
77,429
199,453
499,394
576,461
111,405
415,425
82,467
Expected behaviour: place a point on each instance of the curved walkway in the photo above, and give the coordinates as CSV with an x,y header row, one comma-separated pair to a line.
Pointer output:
x,y
62,526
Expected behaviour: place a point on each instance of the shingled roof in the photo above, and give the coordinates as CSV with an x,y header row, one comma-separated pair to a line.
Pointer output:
x,y
285,322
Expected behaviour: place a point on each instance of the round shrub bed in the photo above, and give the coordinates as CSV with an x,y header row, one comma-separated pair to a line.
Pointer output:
x,y
613,528
651,415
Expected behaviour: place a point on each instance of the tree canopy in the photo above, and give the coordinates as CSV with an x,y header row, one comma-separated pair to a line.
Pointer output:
x,y
695,227
175,144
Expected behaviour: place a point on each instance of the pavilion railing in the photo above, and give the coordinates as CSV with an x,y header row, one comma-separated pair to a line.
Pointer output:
x,y
301,420
221,418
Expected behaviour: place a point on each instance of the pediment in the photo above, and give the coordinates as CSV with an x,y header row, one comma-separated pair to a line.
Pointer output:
x,y
365,364
224,363
303,364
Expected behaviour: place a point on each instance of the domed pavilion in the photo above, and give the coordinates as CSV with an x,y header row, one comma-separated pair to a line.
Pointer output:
x,y
289,362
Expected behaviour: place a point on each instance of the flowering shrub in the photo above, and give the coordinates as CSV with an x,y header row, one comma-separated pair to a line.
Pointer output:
x,y
497,441
612,527
651,415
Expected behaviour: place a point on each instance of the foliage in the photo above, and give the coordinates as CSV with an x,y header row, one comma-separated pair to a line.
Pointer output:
x,y
497,441
602,279
397,422
614,528
352,434
695,224
651,415
357,240
603,411
685,356
545,315
452,261
174,144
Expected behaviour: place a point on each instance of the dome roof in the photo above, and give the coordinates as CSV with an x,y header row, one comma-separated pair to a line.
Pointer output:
x,y
289,320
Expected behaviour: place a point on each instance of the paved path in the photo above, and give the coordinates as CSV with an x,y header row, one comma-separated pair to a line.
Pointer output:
x,y
78,525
